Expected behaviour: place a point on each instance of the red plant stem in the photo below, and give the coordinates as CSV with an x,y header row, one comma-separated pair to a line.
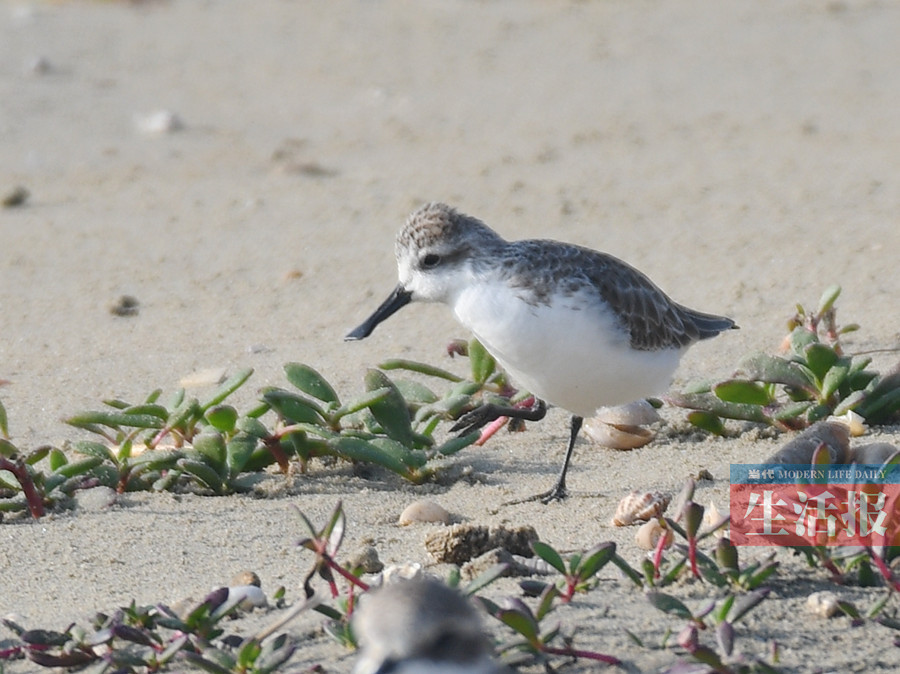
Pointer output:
x,y
273,444
885,571
692,555
658,553
334,566
32,497
587,655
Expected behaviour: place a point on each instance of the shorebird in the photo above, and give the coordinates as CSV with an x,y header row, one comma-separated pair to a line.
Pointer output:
x,y
577,328
420,626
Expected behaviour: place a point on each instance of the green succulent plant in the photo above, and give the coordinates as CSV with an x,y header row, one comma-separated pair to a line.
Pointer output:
x,y
814,379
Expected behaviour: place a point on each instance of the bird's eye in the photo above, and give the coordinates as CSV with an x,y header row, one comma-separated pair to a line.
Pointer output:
x,y
431,261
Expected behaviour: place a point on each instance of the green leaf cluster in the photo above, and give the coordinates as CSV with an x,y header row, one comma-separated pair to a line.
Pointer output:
x,y
814,379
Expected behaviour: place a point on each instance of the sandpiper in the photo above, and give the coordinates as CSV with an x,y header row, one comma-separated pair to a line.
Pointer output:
x,y
577,328
420,626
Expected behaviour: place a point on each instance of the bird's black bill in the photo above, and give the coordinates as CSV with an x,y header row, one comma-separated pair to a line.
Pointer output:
x,y
396,301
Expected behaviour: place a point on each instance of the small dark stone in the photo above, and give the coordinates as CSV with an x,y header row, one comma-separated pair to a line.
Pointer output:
x,y
126,305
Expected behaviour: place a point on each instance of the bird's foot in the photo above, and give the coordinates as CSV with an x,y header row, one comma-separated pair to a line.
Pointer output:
x,y
488,412
557,493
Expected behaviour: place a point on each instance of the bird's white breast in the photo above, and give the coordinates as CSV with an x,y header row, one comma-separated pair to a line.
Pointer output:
x,y
571,352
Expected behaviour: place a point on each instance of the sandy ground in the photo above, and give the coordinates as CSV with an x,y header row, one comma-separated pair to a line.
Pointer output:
x,y
743,154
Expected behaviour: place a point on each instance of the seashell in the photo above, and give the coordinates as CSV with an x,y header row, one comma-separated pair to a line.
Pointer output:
x,y
638,413
423,511
711,517
648,534
617,436
620,427
405,571
246,597
823,604
638,506
853,421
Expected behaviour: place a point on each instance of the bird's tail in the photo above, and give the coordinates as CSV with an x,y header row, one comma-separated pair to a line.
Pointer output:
x,y
709,325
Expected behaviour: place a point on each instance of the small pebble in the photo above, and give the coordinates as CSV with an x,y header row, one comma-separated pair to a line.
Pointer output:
x,y
823,604
95,499
424,511
126,305
246,578
17,196
39,65
158,123
367,560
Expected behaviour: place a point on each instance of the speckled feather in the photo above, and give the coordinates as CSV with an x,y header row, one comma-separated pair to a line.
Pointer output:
x,y
540,269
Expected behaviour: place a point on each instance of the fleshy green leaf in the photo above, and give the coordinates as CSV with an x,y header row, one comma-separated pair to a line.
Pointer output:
x,y
595,559
746,603
742,391
410,457
222,417
238,451
669,604
211,446
708,402
707,421
391,412
293,408
4,421
549,555
204,474
453,445
775,370
829,297
57,459
356,449
820,358
421,368
115,420
310,382
78,467
483,363
229,386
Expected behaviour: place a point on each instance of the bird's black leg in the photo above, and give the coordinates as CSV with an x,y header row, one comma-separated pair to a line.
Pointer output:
x,y
484,414
558,492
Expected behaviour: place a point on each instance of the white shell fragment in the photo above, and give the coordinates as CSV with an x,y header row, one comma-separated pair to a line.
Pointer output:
x,y
208,377
853,421
648,534
404,571
638,506
247,598
423,511
711,517
158,122
823,604
622,427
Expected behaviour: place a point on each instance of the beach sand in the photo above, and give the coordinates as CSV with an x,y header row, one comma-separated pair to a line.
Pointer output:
x,y
742,154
